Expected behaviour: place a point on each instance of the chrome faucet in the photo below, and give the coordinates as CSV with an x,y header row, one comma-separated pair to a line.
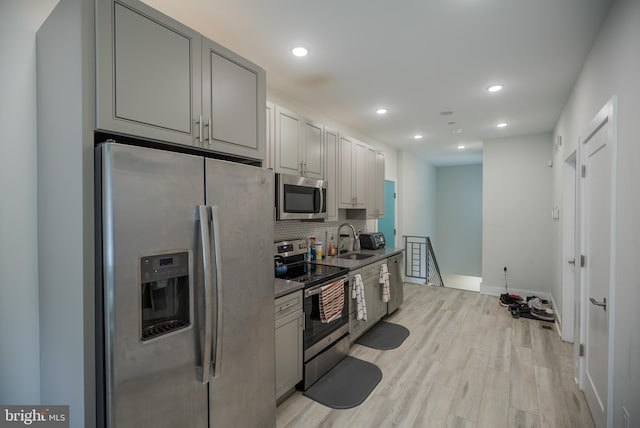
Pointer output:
x,y
356,241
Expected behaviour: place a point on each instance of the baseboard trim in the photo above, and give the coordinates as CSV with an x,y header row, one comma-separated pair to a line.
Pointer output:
x,y
558,316
419,281
497,291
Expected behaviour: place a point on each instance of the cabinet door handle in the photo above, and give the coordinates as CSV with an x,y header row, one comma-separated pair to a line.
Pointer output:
x,y
287,306
209,131
199,123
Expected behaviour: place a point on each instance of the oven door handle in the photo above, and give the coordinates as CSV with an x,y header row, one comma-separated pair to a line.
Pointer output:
x,y
318,288
312,292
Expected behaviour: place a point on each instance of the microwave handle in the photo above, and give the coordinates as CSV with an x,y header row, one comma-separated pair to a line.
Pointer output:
x,y
321,207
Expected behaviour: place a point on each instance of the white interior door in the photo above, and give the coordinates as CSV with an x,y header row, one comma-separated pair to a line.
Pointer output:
x,y
598,151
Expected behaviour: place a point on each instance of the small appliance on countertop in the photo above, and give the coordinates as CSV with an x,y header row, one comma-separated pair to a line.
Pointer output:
x,y
372,241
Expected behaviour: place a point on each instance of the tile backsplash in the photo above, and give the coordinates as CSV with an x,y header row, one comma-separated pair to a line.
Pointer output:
x,y
294,229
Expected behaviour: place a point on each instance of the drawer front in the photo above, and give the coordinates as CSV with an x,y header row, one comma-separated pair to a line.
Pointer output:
x,y
371,271
288,304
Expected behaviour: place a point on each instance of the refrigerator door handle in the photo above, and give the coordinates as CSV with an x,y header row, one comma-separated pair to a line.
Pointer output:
x,y
218,285
203,214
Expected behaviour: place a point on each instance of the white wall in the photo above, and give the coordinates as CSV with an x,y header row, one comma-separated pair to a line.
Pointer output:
x,y
459,219
19,337
612,69
66,123
416,196
517,224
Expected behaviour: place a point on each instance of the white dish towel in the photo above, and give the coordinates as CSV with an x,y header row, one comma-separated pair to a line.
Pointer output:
x,y
357,292
384,280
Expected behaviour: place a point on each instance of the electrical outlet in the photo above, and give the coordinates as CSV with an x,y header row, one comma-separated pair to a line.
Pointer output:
x,y
625,417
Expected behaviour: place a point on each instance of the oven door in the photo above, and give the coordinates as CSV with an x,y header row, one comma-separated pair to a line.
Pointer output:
x,y
319,335
300,198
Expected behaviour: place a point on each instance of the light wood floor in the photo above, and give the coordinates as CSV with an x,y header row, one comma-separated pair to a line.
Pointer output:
x,y
466,363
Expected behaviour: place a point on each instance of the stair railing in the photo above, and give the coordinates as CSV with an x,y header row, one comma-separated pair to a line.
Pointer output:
x,y
420,260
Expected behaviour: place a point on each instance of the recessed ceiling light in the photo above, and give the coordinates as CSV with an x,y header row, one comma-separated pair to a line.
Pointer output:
x,y
460,147
381,111
494,88
451,124
501,125
446,113
417,136
300,51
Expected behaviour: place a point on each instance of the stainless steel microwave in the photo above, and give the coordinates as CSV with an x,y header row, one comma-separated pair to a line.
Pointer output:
x,y
300,198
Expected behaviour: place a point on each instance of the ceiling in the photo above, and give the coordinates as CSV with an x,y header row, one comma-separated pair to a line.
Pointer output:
x,y
417,58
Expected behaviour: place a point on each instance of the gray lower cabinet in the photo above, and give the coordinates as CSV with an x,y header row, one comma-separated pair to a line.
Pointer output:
x,y
372,282
289,324
356,327
161,80
376,308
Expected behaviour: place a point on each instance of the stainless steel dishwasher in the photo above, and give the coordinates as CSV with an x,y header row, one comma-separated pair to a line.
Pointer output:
x,y
394,264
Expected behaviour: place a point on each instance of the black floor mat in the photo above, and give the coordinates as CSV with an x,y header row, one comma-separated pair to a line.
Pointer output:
x,y
346,385
384,335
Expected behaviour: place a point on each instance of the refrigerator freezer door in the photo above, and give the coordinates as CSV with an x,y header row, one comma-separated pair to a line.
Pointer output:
x,y
242,389
148,209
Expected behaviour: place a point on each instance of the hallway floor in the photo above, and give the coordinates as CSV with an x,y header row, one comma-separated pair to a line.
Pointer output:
x,y
462,282
466,363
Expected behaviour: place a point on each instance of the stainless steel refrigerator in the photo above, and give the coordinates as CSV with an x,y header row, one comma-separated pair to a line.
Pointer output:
x,y
185,333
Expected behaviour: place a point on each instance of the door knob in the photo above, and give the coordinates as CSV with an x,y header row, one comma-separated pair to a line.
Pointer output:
x,y
595,302
571,261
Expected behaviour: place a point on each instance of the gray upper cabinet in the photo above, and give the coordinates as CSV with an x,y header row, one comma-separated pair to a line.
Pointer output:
x,y
375,184
300,148
161,80
148,73
332,143
314,149
233,103
288,135
353,176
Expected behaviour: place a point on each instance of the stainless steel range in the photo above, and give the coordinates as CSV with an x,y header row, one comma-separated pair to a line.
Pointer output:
x,y
325,343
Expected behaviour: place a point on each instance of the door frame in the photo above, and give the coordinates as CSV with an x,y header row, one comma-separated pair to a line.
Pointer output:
x,y
570,301
607,114
395,211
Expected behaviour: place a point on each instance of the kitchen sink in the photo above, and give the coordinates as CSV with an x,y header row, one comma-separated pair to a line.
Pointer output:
x,y
355,256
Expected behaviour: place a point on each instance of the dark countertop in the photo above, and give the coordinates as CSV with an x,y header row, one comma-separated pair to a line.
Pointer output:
x,y
282,287
377,255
